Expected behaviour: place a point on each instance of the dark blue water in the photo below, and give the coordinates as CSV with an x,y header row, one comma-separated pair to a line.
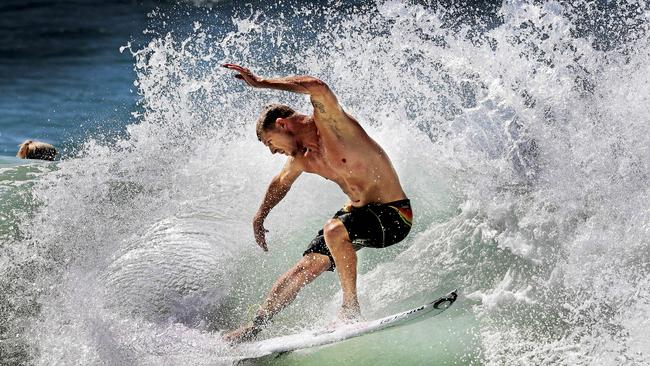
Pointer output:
x,y
61,73
62,76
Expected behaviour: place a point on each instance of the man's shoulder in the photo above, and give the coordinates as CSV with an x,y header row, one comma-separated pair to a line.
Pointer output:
x,y
340,126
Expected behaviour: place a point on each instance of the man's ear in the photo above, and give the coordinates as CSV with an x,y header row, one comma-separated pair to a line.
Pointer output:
x,y
281,123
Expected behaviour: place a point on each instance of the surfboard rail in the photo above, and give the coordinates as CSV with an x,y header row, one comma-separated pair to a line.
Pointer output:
x,y
326,336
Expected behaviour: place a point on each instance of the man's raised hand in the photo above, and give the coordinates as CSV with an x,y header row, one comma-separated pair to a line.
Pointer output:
x,y
260,233
245,74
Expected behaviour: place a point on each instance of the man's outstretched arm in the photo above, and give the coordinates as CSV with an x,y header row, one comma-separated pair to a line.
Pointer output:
x,y
277,190
322,98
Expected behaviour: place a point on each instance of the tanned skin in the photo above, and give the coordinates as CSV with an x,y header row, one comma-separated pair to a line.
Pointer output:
x,y
332,144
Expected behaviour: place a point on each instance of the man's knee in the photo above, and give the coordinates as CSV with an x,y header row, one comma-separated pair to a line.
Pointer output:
x,y
335,230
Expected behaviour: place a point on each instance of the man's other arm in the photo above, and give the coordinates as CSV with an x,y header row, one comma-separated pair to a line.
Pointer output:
x,y
276,191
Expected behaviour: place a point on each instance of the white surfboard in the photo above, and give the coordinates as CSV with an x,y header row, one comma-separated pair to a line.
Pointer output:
x,y
322,337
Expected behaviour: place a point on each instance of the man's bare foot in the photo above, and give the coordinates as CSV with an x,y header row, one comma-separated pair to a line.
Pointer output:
x,y
349,313
243,334
346,316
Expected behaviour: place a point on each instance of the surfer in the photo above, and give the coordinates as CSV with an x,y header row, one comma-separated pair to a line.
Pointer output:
x,y
332,144
36,150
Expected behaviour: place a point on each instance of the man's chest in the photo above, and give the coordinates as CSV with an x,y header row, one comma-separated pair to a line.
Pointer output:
x,y
335,161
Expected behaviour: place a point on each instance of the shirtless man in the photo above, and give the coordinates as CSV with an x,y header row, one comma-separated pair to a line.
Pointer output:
x,y
332,144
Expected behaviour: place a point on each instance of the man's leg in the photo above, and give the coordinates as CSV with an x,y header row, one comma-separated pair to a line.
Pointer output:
x,y
345,258
284,291
286,288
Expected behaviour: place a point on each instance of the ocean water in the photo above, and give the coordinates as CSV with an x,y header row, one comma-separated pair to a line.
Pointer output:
x,y
520,131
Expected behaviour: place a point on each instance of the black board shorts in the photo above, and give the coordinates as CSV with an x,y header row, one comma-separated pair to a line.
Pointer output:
x,y
370,226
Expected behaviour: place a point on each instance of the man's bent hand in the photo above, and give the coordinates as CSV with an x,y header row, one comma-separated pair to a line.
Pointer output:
x,y
260,231
245,74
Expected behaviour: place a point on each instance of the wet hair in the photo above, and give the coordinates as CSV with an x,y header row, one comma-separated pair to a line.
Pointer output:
x,y
267,118
36,150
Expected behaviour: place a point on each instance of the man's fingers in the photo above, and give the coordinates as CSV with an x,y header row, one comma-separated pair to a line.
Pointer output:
x,y
262,244
236,67
260,238
243,74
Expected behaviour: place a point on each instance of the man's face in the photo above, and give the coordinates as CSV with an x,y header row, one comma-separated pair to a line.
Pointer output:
x,y
280,141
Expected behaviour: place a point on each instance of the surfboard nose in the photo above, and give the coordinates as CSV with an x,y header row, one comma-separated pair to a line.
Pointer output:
x,y
446,301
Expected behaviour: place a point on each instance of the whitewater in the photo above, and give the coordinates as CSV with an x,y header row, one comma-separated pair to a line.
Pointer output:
x,y
521,137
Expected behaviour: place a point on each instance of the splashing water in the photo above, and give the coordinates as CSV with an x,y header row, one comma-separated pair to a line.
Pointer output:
x,y
523,144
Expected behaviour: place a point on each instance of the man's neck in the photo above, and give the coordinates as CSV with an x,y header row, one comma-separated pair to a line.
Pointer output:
x,y
306,135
